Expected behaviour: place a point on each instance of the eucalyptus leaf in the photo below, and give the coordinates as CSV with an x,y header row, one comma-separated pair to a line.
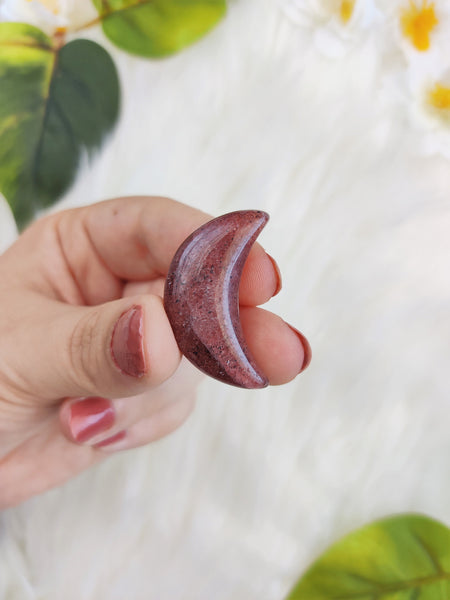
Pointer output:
x,y
54,103
404,557
157,28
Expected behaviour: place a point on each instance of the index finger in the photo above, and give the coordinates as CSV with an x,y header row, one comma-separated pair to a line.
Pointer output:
x,y
134,239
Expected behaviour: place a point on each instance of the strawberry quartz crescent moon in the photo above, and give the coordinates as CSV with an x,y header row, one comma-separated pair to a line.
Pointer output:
x,y
201,297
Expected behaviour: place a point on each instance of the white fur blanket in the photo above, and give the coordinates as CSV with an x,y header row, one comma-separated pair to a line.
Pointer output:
x,y
285,109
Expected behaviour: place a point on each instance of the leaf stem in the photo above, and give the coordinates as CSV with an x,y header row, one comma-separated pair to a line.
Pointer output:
x,y
91,23
106,11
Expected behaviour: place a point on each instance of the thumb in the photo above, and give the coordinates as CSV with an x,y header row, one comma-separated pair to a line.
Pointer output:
x,y
116,349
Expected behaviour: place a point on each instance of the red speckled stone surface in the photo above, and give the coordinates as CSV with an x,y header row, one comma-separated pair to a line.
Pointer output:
x,y
201,297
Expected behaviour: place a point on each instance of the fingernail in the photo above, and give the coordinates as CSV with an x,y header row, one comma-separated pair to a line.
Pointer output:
x,y
127,342
89,417
307,353
277,274
111,440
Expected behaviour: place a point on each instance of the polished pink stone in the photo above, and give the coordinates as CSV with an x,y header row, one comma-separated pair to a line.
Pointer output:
x,y
201,297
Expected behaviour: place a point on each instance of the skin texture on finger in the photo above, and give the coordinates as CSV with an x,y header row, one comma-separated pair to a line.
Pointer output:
x,y
19,422
88,254
275,346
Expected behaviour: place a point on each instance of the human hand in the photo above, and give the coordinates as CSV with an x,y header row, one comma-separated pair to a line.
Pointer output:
x,y
88,361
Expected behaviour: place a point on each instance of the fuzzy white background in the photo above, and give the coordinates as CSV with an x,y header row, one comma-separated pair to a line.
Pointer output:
x,y
281,108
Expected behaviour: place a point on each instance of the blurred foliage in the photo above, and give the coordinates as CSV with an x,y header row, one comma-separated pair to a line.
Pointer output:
x,y
157,28
59,100
53,104
405,557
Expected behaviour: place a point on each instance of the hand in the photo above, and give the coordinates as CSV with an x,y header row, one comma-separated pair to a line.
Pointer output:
x,y
88,361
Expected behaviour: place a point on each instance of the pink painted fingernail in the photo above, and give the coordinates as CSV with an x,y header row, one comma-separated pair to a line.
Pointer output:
x,y
127,343
306,348
277,274
90,417
111,440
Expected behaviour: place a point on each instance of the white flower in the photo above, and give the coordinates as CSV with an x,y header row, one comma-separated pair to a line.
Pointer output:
x,y
421,29
417,70
430,110
335,25
51,16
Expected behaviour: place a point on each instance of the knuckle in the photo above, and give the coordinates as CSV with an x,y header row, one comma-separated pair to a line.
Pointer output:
x,y
84,345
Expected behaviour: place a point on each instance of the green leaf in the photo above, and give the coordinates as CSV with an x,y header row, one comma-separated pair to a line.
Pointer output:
x,y
157,28
400,558
54,103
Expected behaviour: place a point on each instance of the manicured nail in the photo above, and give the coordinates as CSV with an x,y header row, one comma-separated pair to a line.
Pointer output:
x,y
89,417
277,274
127,342
111,440
307,353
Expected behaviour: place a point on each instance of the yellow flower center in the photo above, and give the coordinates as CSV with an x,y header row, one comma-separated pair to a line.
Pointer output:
x,y
346,10
439,97
418,22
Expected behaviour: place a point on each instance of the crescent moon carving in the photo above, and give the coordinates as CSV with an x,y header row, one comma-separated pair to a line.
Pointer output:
x,y
201,297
